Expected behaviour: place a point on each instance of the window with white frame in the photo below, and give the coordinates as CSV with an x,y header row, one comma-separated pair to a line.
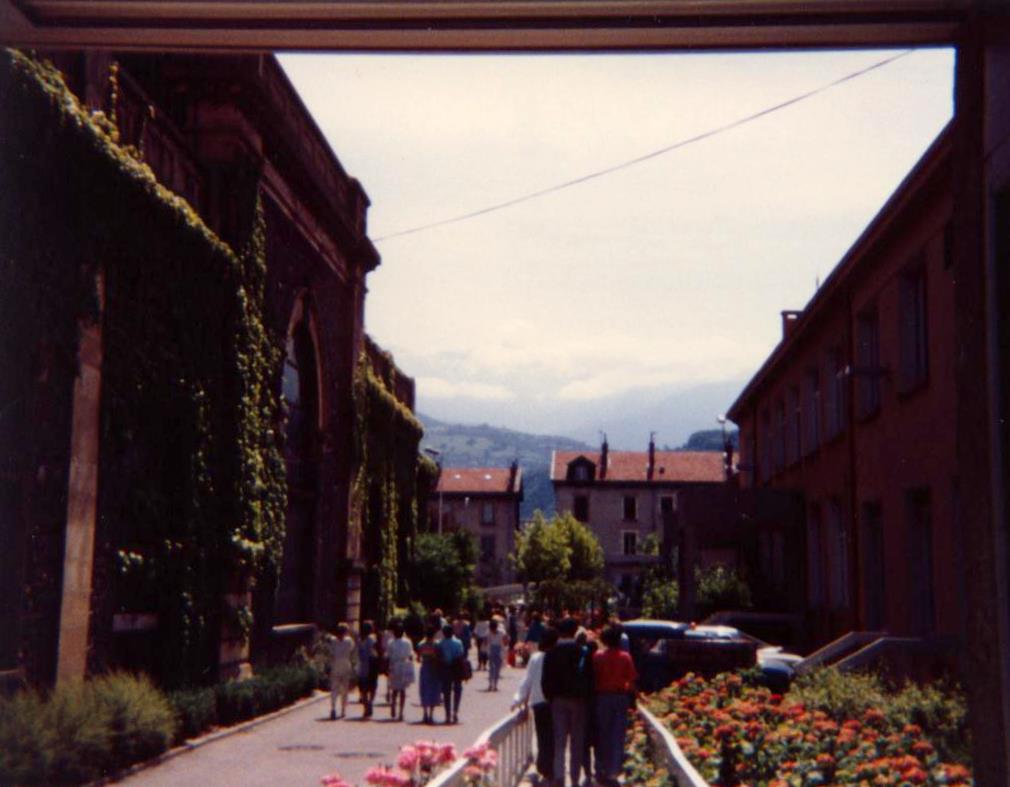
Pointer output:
x,y
487,513
630,539
630,508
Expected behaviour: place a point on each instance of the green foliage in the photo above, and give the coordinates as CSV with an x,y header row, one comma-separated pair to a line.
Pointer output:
x,y
195,711
561,548
660,596
271,689
844,694
189,401
442,571
141,719
720,587
541,551
82,730
938,708
565,559
389,475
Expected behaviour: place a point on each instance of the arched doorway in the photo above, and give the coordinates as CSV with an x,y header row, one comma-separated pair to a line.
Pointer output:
x,y
300,391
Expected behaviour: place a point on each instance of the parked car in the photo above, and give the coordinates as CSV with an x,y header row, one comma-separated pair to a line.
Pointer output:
x,y
665,650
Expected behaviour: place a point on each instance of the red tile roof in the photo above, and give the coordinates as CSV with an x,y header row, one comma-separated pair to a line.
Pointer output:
x,y
478,480
671,466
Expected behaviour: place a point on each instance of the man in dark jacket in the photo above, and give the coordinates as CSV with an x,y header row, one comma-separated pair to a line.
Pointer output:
x,y
567,685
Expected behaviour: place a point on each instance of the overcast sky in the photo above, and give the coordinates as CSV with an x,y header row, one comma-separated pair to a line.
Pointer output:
x,y
661,276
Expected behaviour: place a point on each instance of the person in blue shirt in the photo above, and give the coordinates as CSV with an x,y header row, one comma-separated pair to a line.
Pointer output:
x,y
451,651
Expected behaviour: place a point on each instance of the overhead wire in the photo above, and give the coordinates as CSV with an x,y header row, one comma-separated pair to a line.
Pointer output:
x,y
647,156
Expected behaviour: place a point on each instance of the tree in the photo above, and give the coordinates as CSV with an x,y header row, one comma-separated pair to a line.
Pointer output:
x,y
585,555
542,551
565,559
720,588
442,570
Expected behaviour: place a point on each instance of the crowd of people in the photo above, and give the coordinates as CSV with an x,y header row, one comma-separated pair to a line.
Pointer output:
x,y
579,680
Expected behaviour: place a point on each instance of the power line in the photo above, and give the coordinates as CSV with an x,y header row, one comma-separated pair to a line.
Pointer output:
x,y
647,156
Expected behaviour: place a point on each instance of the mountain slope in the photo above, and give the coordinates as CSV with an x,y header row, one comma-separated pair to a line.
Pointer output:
x,y
462,445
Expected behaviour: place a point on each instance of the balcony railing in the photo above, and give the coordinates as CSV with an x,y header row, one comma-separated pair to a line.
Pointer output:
x,y
512,738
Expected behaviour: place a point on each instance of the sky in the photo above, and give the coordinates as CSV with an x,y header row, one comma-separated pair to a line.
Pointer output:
x,y
663,276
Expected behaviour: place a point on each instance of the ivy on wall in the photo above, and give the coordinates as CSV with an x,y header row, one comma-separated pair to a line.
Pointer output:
x,y
193,494
384,503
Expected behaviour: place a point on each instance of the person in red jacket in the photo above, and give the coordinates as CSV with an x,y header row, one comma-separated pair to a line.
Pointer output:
x,y
614,679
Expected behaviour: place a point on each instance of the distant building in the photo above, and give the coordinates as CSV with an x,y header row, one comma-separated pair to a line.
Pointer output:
x,y
484,501
627,496
855,411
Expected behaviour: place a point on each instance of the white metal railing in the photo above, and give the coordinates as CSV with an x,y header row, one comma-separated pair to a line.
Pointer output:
x,y
667,750
838,649
512,738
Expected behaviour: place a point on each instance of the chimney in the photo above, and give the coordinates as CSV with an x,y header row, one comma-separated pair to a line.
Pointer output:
x,y
513,473
652,456
789,318
604,449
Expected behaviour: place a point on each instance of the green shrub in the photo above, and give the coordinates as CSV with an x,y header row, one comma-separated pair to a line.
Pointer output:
x,y
141,719
659,598
82,734
195,711
842,695
719,588
941,710
26,740
236,701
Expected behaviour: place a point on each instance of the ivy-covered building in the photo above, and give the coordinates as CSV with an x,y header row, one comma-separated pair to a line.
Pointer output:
x,y
203,458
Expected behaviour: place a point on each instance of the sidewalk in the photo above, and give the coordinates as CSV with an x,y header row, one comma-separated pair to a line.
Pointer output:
x,y
304,745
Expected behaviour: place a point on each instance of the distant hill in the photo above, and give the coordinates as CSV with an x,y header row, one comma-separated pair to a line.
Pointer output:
x,y
710,440
463,445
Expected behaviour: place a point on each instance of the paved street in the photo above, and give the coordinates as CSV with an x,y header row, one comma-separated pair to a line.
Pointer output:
x,y
302,746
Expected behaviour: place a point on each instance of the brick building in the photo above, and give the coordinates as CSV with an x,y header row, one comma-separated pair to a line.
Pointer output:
x,y
182,379
855,410
483,501
628,496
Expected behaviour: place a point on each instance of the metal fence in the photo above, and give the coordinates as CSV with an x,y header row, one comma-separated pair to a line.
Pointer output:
x,y
512,739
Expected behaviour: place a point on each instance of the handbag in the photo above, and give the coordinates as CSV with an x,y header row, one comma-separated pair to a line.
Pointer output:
x,y
461,669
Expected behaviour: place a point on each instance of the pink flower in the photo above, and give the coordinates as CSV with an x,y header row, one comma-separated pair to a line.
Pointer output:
x,y
334,780
472,772
446,754
409,758
386,777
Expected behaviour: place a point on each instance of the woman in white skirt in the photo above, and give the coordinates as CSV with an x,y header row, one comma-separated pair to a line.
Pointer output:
x,y
401,668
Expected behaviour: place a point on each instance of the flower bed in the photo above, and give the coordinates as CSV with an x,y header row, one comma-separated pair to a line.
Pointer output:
x,y
418,763
737,733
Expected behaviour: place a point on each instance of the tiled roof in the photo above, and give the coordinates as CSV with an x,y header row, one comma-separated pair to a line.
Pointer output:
x,y
671,466
478,480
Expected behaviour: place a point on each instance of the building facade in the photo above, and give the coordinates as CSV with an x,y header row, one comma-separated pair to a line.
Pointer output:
x,y
629,498
483,501
855,410
185,436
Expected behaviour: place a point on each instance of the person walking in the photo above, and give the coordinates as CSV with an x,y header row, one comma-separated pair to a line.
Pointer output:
x,y
400,654
368,667
480,633
614,679
343,657
430,682
567,685
534,633
451,651
496,642
531,694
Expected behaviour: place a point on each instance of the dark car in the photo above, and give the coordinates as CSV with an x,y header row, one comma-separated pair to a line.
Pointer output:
x,y
664,650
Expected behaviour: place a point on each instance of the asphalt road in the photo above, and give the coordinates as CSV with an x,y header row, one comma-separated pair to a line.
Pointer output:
x,y
302,746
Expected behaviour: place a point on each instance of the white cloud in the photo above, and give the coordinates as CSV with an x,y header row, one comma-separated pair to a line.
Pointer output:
x,y
438,388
